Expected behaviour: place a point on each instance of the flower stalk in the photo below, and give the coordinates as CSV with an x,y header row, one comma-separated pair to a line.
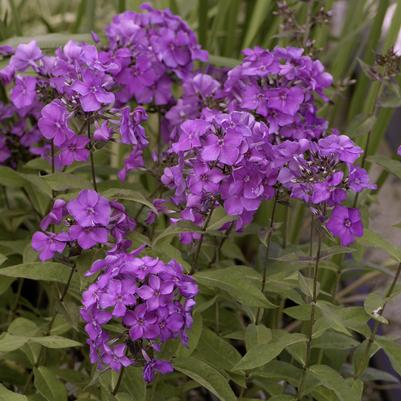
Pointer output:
x,y
259,313
312,319
92,161
376,325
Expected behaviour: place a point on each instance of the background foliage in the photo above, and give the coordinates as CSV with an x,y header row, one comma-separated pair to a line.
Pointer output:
x,y
229,356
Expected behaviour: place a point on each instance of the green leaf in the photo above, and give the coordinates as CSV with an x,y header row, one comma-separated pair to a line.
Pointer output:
x,y
218,219
257,335
360,125
373,305
48,385
330,319
46,271
391,96
393,351
306,285
10,178
332,380
7,395
261,354
333,340
50,41
206,376
260,11
216,351
223,61
55,342
282,397
174,229
392,166
64,181
373,239
10,342
134,384
129,195
242,283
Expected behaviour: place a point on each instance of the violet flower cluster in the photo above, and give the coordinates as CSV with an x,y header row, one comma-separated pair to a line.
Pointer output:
x,y
259,135
84,222
157,48
145,300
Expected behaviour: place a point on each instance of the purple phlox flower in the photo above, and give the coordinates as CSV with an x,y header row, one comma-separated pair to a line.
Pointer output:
x,y
191,133
116,357
90,209
25,56
156,293
133,161
5,152
95,37
323,190
75,148
88,237
131,131
24,92
56,215
92,92
156,365
47,244
345,223
340,146
6,50
399,151
7,74
359,179
245,192
142,323
225,149
119,294
103,132
286,100
201,85
53,123
205,179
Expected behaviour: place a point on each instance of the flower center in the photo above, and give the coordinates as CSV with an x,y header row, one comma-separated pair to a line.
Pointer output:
x,y
347,223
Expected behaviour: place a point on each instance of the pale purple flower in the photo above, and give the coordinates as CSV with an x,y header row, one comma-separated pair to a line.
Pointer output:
x,y
53,123
90,209
345,223
91,90
24,92
47,245
25,56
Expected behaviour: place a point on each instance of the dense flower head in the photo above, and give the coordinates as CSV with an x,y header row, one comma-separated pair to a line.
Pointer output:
x,y
280,85
225,158
85,221
158,44
151,300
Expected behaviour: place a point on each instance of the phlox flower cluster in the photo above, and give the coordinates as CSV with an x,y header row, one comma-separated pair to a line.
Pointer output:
x,y
151,301
85,221
259,134
158,47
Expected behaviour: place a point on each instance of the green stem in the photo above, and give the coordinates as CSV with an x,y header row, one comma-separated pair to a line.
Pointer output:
x,y
117,386
91,157
376,326
259,312
308,23
216,256
50,325
311,320
199,246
